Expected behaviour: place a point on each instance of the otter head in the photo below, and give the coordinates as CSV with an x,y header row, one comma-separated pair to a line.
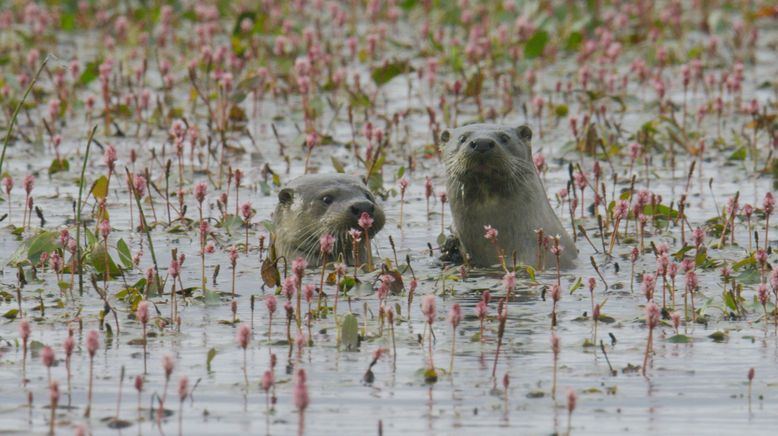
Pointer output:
x,y
490,157
314,205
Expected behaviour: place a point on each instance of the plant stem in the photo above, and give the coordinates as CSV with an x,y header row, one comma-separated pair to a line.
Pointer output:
x,y
78,211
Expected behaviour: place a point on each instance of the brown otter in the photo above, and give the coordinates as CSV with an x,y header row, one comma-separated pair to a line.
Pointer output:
x,y
492,182
314,205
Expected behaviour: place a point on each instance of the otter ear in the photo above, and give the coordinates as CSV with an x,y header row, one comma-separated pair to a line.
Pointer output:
x,y
445,135
525,133
286,196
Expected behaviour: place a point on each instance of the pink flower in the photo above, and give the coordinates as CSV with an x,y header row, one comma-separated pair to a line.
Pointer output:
x,y
652,315
540,162
109,157
748,210
365,221
8,184
289,287
301,399
428,187
621,209
443,197
246,211
200,189
168,363
244,333
555,344
490,234
762,292
174,269
233,255
47,356
298,266
139,186
648,285
142,312
183,387
768,204
481,310
691,280
591,283
572,399
633,255
403,183
139,383
28,182
509,281
68,345
92,342
271,303
428,307
308,292
326,243
355,235
267,380
455,315
105,228
761,256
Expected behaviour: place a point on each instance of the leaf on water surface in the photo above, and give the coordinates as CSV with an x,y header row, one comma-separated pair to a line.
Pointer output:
x,y
11,314
739,154
30,249
536,44
349,332
209,358
679,339
718,336
58,166
97,259
389,70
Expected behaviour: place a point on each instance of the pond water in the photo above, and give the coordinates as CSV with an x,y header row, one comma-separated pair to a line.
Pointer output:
x,y
696,381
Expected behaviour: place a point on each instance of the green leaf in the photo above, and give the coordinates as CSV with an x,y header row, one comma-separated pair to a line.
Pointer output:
x,y
59,165
739,154
679,339
349,332
209,358
67,22
124,253
11,314
536,44
573,41
98,257
385,73
90,73
100,188
729,301
578,283
31,248
718,336
338,165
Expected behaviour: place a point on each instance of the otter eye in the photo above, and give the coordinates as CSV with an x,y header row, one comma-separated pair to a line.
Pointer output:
x,y
503,138
327,199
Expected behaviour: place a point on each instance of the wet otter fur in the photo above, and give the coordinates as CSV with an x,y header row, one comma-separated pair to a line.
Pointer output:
x,y
315,204
492,182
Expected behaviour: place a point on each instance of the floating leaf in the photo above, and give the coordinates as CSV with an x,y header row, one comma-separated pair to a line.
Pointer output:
x,y
90,73
11,314
338,165
31,248
739,154
388,71
58,166
679,339
718,336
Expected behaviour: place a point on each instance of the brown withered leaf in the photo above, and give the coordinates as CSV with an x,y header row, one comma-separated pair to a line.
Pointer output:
x,y
270,274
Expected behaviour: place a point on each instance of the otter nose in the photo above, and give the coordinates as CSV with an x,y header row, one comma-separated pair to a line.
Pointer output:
x,y
357,209
482,145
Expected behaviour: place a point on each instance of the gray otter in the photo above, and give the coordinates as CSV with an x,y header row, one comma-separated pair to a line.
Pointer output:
x,y
492,182
313,205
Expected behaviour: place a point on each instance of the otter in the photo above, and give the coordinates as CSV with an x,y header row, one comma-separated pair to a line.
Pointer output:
x,y
492,182
313,205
